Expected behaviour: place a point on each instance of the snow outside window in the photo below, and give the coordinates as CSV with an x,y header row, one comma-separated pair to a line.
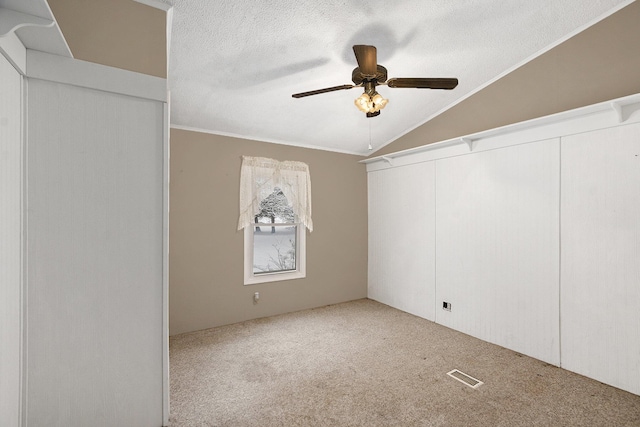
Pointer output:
x,y
275,208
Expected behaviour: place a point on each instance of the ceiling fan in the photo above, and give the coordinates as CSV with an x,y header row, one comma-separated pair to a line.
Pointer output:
x,y
368,74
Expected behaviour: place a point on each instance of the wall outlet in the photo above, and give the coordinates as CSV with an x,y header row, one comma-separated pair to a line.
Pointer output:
x,y
256,297
446,306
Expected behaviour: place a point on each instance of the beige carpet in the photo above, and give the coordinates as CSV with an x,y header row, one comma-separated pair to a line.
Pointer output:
x,y
365,364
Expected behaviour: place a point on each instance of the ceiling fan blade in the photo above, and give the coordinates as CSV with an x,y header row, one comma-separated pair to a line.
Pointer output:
x,y
319,91
367,59
424,83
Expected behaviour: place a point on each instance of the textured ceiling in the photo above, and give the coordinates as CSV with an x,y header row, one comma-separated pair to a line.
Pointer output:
x,y
235,63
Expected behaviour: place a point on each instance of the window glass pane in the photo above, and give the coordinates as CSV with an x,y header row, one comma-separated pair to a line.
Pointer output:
x,y
275,208
274,248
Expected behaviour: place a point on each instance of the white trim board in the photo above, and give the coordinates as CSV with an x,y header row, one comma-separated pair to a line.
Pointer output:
x,y
165,264
74,72
11,244
15,52
597,116
157,4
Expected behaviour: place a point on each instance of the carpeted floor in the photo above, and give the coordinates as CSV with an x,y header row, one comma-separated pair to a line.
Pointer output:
x,y
365,364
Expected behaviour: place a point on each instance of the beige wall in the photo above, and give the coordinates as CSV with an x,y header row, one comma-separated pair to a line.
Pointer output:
x,y
206,251
118,33
599,64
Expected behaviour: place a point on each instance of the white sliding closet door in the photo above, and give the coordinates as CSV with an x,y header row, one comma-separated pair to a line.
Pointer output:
x,y
497,246
600,297
10,243
95,252
402,238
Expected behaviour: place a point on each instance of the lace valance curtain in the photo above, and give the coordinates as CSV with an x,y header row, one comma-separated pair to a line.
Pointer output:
x,y
258,178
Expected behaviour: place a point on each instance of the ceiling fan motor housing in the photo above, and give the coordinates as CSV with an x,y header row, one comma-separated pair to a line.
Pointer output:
x,y
358,77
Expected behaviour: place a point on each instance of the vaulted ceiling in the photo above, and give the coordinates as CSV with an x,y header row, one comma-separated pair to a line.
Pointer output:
x,y
234,65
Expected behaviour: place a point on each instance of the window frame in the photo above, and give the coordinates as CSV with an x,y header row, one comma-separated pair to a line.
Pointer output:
x,y
250,278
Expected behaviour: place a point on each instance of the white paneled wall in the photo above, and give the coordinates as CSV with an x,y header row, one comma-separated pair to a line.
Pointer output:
x,y
537,237
10,243
402,238
497,246
600,297
95,258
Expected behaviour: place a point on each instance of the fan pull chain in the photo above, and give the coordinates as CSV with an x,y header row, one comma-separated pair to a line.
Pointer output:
x,y
370,147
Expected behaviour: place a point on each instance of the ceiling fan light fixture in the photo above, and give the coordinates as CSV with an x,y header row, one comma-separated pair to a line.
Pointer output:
x,y
363,102
370,103
379,102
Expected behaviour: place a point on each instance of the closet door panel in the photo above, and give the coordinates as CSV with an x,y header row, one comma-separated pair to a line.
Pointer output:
x,y
95,251
600,298
401,238
497,250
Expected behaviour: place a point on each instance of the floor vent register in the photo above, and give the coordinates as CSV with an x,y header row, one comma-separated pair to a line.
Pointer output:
x,y
464,378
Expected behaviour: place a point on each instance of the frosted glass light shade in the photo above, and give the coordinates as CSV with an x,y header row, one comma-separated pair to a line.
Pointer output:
x,y
370,103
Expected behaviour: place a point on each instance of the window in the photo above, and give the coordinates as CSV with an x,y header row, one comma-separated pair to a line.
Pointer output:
x,y
275,209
